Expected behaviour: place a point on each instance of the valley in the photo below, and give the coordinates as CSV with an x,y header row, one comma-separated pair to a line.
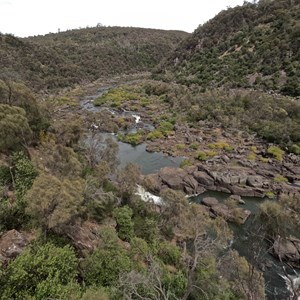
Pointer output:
x,y
153,164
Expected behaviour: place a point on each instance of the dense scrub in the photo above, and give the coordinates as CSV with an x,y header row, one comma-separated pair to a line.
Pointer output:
x,y
253,45
78,56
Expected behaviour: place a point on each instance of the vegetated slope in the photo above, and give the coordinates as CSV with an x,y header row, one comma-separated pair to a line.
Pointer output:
x,y
83,55
253,45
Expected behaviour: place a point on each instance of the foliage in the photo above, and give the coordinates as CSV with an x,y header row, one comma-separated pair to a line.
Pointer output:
x,y
280,178
14,127
24,174
123,216
52,202
103,267
274,218
276,152
154,135
133,138
169,254
252,45
17,94
44,272
67,58
201,155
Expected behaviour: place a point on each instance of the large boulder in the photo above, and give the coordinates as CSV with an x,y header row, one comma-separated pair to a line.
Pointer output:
x,y
255,181
173,177
210,201
86,236
203,178
287,250
152,183
222,210
178,179
12,244
240,215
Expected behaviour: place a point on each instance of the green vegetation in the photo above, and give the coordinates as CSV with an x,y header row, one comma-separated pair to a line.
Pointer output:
x,y
61,60
154,135
133,138
201,155
88,233
280,178
42,272
276,152
252,45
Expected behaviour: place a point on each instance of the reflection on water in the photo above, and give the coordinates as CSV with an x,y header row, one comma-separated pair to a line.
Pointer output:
x,y
276,284
276,288
149,162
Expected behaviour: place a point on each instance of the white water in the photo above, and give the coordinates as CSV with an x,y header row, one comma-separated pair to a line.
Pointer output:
x,y
137,118
148,197
296,282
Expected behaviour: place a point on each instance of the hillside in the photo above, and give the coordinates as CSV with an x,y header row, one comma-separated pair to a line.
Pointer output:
x,y
83,55
253,45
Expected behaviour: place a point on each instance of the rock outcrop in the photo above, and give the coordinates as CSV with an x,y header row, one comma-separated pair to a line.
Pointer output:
x,y
236,214
12,244
287,250
237,180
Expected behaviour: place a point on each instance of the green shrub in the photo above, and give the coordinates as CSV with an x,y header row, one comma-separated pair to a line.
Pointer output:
x,y
169,254
132,138
194,146
165,127
270,195
125,225
185,163
201,155
180,146
280,179
154,135
295,149
276,152
251,156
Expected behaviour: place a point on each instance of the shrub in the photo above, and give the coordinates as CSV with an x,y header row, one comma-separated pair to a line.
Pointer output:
x,y
194,146
280,178
201,155
276,152
185,163
154,135
295,149
180,146
125,225
251,156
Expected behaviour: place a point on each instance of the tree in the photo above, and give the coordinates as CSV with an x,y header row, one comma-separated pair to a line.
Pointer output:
x,y
127,180
97,150
53,202
17,94
154,283
14,127
123,216
103,266
43,272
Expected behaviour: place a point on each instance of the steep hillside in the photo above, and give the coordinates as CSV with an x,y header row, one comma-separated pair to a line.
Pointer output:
x,y
83,55
254,45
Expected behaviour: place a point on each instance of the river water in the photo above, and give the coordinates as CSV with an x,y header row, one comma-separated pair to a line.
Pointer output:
x,y
276,287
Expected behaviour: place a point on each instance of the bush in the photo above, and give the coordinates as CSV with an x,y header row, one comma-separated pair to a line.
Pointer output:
x,y
276,152
280,179
48,272
295,149
201,155
169,254
125,225
154,135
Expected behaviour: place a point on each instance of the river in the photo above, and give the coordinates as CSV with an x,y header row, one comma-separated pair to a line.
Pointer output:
x,y
276,287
